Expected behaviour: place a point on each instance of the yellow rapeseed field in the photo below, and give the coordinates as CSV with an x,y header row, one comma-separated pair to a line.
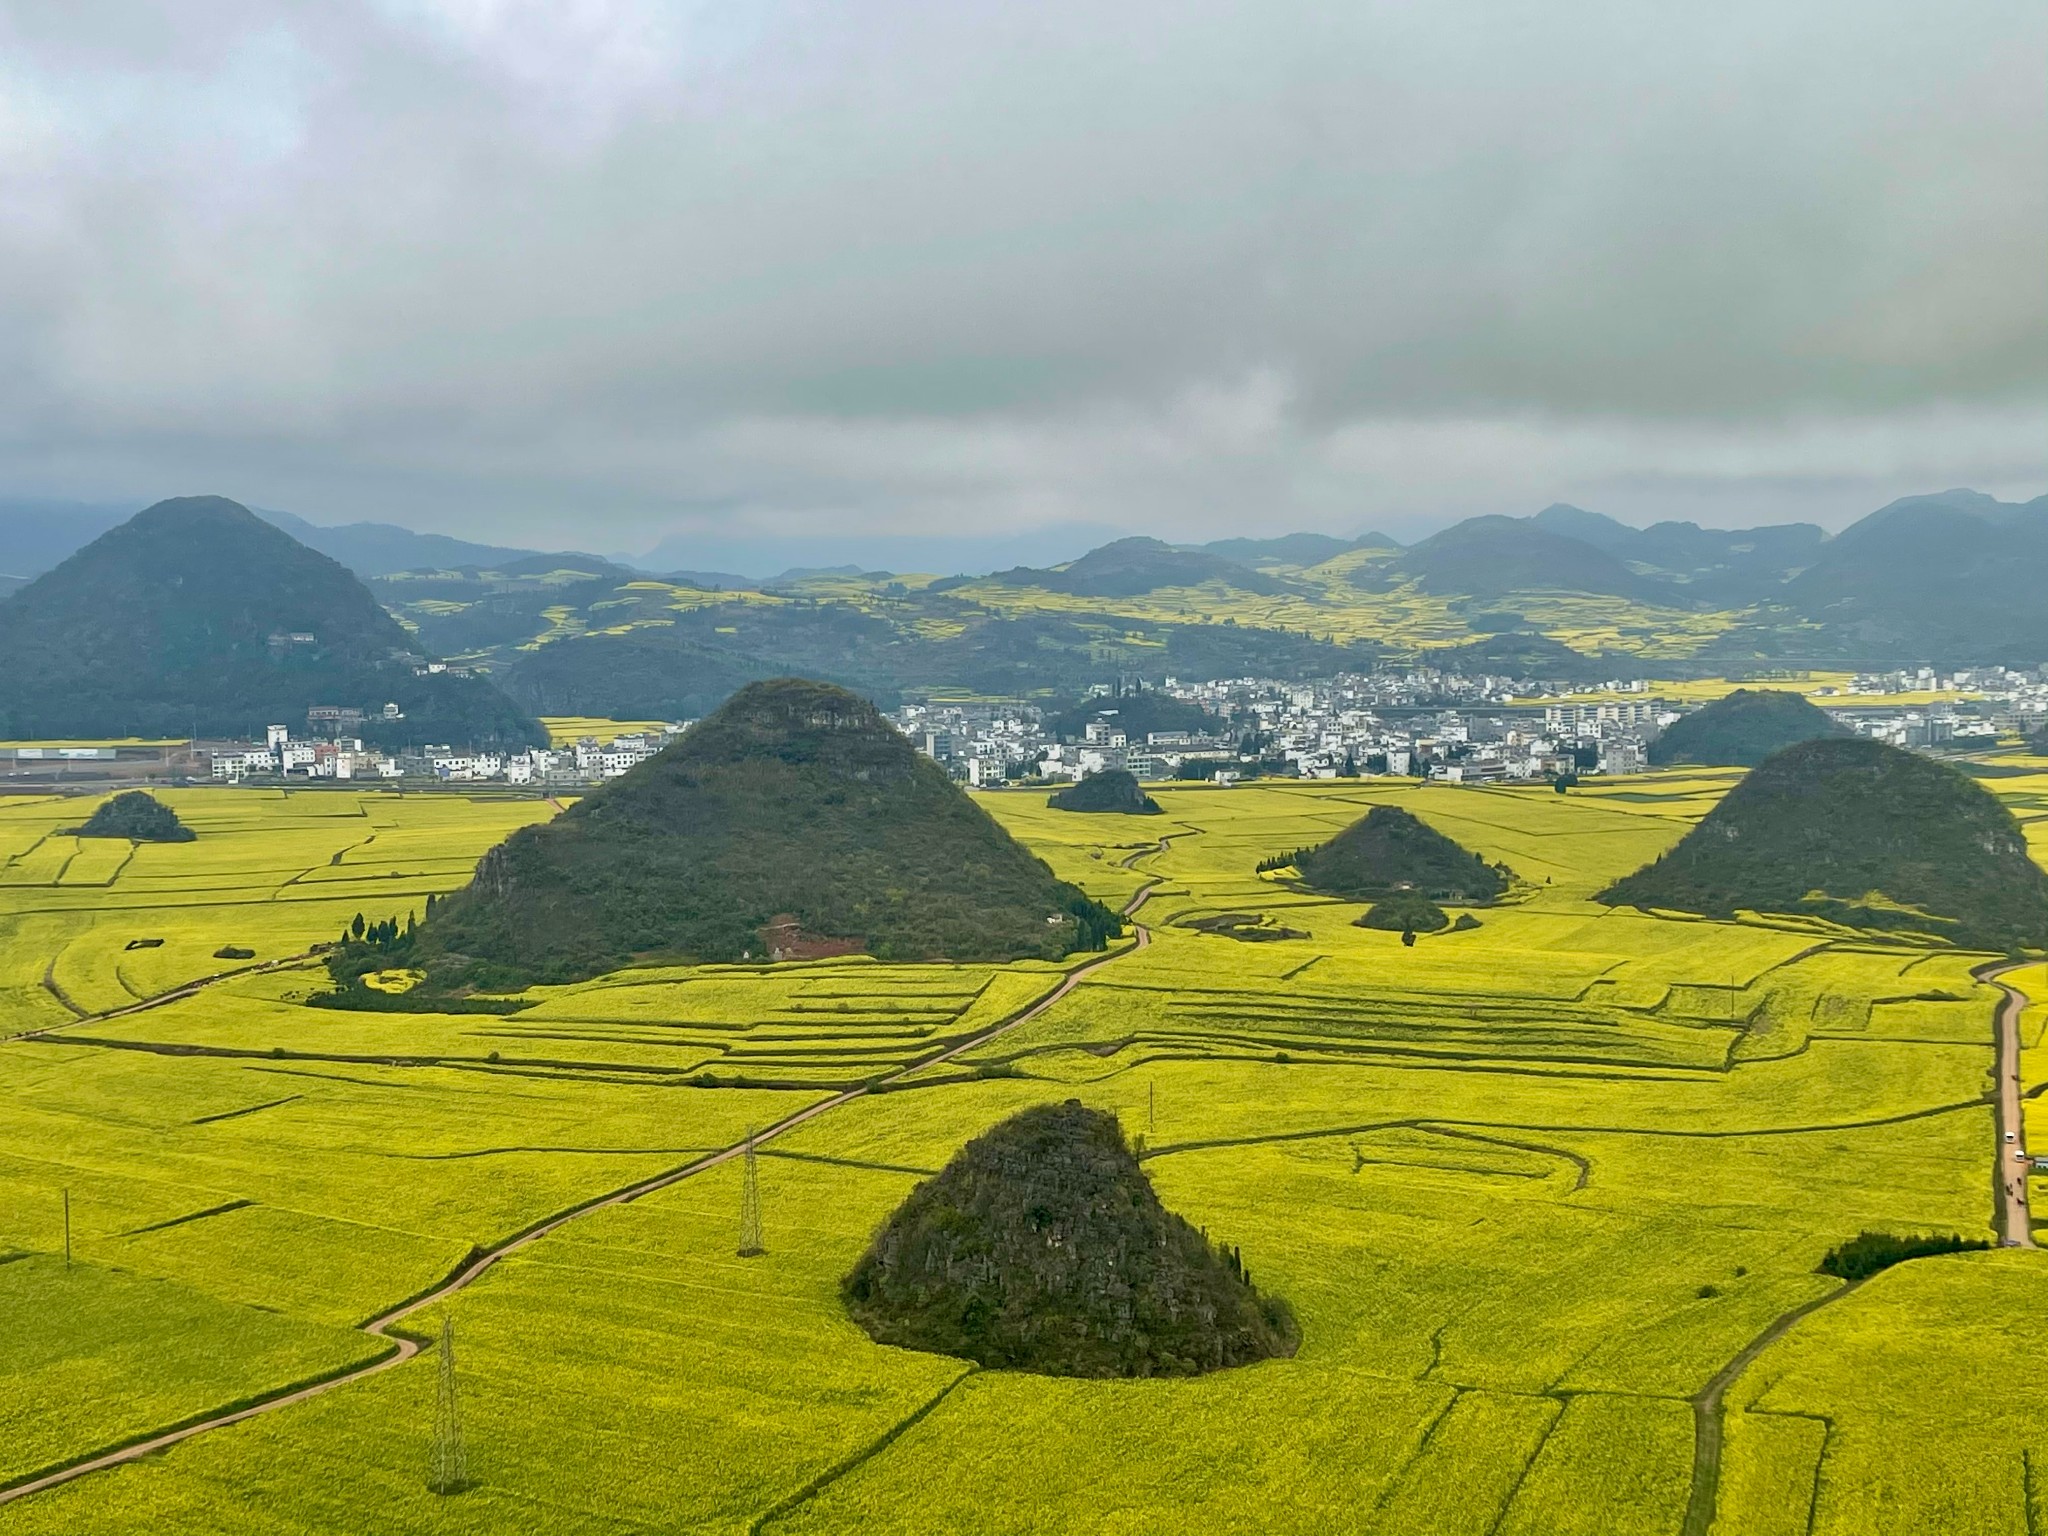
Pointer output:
x,y
1531,1188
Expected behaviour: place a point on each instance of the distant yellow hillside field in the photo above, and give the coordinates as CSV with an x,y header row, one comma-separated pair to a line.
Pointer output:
x,y
566,730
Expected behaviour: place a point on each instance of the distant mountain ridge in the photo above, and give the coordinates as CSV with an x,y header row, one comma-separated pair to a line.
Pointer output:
x,y
1493,556
1956,575
1303,549
1134,567
196,617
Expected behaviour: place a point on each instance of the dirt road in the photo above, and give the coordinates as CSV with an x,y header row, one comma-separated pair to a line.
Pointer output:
x,y
2015,1218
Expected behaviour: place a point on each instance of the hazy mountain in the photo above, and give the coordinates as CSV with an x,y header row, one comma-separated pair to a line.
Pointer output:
x,y
1714,564
759,554
35,535
1302,549
1957,576
1134,567
1493,556
377,549
197,617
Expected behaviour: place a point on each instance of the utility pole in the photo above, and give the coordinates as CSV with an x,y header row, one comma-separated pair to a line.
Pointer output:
x,y
451,1459
750,1203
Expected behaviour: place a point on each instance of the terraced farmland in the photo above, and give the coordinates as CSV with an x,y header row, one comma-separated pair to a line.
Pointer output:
x,y
1533,1188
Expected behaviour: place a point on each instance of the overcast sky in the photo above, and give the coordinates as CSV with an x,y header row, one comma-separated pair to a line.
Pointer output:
x,y
597,272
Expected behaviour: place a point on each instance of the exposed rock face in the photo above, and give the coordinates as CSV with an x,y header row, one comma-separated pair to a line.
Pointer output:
x,y
1042,1247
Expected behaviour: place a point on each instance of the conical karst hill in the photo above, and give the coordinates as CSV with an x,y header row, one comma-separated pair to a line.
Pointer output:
x,y
792,815
1388,850
1114,791
1042,1247
196,617
1860,833
1741,729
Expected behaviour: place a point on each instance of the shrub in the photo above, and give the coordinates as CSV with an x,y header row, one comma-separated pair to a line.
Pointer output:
x,y
1405,911
1868,1253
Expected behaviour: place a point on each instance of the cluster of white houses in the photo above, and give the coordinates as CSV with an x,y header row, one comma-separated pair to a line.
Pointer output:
x,y
283,755
1413,723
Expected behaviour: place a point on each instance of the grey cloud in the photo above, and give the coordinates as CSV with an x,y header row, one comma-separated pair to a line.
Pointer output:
x,y
522,267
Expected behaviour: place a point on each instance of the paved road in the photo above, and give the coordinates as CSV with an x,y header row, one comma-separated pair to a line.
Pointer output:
x,y
2015,1218
405,1345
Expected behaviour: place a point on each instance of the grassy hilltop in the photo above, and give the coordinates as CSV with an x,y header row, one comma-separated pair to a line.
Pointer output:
x,y
1862,833
793,800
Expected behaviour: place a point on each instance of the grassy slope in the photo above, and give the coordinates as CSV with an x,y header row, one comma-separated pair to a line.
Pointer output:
x,y
1636,1107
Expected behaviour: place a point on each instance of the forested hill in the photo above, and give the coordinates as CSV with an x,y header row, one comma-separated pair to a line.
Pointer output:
x,y
793,818
196,617
1389,849
1741,729
1861,833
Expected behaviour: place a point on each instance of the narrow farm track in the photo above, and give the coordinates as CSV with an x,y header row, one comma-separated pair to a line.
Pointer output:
x,y
158,1000
2015,1225
1709,1417
387,1325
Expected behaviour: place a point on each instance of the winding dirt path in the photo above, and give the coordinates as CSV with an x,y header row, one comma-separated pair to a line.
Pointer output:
x,y
1709,1419
388,1325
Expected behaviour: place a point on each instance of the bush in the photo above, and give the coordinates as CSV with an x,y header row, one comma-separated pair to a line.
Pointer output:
x,y
1405,911
1868,1253
137,815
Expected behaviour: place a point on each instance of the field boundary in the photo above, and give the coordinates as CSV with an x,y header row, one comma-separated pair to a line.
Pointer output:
x,y
405,1346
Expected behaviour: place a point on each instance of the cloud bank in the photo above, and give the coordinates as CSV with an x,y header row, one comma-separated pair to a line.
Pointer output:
x,y
594,272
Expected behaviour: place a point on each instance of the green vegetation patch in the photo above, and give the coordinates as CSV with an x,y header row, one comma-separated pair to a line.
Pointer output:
x,y
1389,850
1867,1253
1114,791
1406,912
1859,832
138,816
794,816
1042,1247
1743,728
